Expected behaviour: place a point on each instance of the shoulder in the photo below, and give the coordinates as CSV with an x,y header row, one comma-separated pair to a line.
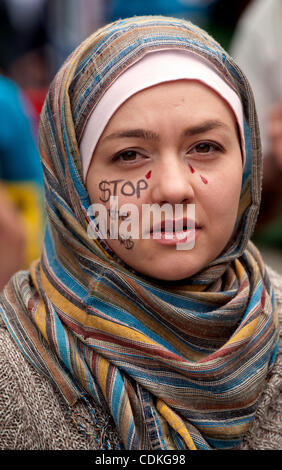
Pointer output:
x,y
276,281
16,429
265,432
33,414
24,396
275,278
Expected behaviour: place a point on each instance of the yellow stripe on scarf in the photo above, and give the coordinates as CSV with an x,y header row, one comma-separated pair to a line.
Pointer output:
x,y
125,413
176,423
245,332
95,322
240,271
40,313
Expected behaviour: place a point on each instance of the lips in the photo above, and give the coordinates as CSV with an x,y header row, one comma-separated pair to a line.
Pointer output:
x,y
174,230
169,225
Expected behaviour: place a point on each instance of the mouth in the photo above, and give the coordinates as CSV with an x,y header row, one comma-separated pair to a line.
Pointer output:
x,y
174,231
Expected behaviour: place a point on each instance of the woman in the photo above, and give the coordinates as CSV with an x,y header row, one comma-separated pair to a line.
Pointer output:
x,y
164,340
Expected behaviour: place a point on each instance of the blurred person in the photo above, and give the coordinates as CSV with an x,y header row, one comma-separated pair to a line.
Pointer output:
x,y
223,19
122,342
23,56
257,47
36,36
22,35
12,238
25,14
196,10
67,23
20,166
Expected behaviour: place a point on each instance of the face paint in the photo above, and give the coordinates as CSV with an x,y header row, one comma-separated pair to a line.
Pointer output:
x,y
113,214
191,168
128,243
148,175
204,180
127,188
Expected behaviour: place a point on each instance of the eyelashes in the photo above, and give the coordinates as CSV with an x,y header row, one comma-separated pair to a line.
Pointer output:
x,y
203,148
128,156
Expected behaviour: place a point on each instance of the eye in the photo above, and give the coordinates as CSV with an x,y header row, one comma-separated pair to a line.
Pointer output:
x,y
128,156
204,148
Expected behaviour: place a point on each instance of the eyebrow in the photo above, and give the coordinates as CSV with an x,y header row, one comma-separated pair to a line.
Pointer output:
x,y
150,135
139,133
205,127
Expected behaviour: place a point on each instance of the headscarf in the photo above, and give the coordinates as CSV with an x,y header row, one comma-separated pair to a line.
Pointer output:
x,y
151,70
178,365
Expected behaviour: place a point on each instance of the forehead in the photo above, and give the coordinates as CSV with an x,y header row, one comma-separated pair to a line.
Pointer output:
x,y
190,99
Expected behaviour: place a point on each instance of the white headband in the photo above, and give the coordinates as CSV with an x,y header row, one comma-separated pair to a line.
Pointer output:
x,y
154,68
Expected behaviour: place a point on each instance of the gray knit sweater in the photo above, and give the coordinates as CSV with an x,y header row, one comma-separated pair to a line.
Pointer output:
x,y
35,416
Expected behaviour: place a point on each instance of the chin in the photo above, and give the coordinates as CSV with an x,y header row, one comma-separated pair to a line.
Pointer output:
x,y
172,273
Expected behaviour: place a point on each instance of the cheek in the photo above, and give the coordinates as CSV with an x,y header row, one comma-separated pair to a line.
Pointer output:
x,y
122,199
223,195
91,183
130,190
93,194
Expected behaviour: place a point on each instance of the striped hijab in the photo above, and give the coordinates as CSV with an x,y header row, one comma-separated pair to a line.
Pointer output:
x,y
178,365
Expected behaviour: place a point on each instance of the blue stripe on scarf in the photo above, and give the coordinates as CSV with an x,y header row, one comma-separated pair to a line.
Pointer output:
x,y
59,271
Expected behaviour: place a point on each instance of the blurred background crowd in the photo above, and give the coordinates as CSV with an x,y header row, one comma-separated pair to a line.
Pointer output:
x,y
36,36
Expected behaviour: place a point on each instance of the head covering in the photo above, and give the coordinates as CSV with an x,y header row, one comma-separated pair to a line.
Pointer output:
x,y
179,365
152,69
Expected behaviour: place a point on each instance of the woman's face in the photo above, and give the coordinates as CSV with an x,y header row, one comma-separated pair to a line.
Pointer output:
x,y
172,144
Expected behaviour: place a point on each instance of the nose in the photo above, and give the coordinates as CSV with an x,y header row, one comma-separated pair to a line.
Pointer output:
x,y
173,183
